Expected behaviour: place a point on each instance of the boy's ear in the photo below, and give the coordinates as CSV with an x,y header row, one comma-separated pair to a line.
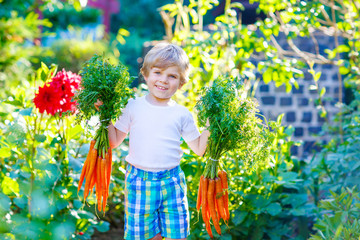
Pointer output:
x,y
180,85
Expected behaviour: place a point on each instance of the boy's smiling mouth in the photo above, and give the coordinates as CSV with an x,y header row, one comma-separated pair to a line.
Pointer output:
x,y
161,87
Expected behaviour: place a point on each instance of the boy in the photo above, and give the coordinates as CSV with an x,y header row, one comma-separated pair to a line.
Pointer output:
x,y
155,189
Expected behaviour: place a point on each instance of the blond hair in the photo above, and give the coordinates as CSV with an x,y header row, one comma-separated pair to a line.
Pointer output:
x,y
164,55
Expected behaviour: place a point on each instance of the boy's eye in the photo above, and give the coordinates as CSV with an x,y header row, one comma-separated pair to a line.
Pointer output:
x,y
173,76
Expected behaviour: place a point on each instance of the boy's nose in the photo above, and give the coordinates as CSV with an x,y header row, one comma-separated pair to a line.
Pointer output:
x,y
163,79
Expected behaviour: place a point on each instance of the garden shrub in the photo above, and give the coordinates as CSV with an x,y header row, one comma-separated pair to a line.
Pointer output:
x,y
40,157
340,216
16,32
337,164
71,54
62,17
270,202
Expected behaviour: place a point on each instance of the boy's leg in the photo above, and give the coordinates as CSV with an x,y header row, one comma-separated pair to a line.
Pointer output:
x,y
175,239
174,213
141,204
157,237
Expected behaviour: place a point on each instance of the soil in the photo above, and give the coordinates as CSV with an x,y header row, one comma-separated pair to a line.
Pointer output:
x,y
112,234
116,220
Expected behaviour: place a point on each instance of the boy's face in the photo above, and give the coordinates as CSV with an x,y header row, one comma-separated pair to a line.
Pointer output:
x,y
163,83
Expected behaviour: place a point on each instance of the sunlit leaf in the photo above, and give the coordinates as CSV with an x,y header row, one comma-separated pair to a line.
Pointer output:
x,y
10,186
5,152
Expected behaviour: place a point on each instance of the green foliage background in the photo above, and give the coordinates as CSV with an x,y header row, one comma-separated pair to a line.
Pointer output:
x,y
41,156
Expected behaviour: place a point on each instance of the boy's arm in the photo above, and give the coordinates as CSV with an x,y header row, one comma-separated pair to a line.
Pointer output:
x,y
199,144
116,137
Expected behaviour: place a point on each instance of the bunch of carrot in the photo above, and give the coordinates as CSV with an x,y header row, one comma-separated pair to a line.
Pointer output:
x,y
234,127
97,171
213,200
100,80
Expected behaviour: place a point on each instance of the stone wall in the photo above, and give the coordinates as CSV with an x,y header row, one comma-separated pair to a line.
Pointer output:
x,y
298,106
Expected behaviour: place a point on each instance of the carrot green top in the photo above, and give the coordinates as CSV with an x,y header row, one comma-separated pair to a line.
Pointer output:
x,y
233,117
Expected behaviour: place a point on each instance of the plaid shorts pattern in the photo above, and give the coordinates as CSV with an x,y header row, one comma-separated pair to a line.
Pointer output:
x,y
155,202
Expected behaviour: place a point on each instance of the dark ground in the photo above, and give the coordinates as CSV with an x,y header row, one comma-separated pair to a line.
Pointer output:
x,y
116,220
112,234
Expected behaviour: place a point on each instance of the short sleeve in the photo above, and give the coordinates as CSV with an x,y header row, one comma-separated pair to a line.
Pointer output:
x,y
124,121
189,130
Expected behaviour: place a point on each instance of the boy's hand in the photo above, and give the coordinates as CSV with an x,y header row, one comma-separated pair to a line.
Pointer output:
x,y
97,104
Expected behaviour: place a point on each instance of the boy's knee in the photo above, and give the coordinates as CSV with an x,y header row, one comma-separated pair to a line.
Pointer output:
x,y
157,237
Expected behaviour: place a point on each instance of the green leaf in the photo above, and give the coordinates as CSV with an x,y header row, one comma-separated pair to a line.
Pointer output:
x,y
239,217
103,226
63,230
40,206
317,76
44,68
40,137
331,53
274,209
5,204
344,70
77,5
226,236
343,48
267,76
322,92
21,202
5,152
10,186
75,132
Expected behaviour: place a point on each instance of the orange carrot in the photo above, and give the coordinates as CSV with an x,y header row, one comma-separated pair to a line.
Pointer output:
x,y
204,182
108,168
108,157
198,200
97,186
99,183
83,172
93,181
212,208
204,187
216,206
104,182
208,229
219,198
86,164
92,162
223,176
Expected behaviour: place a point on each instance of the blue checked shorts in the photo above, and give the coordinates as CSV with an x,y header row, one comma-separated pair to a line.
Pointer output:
x,y
155,202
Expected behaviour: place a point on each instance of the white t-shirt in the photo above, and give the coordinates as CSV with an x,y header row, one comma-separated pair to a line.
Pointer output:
x,y
155,133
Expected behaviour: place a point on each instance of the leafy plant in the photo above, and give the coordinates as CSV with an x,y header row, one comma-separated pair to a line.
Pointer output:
x,y
340,216
268,202
72,53
39,154
63,16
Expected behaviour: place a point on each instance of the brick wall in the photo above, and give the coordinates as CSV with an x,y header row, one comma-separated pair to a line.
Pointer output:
x,y
298,105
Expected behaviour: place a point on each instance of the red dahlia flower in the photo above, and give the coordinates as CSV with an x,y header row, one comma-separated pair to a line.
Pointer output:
x,y
56,95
